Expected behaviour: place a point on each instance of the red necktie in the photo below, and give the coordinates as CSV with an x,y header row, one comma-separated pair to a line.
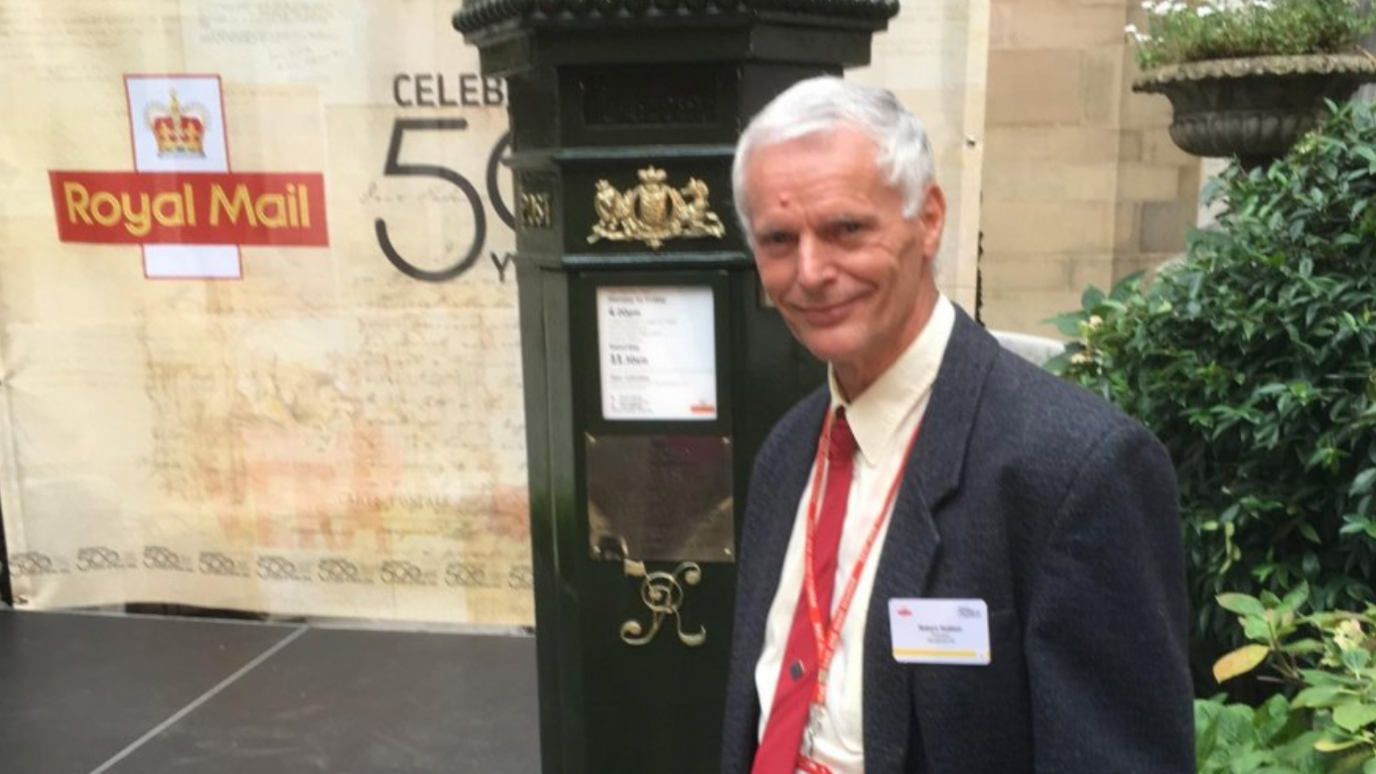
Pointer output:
x,y
783,735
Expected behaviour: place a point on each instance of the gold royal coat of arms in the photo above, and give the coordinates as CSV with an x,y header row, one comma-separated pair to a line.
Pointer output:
x,y
654,211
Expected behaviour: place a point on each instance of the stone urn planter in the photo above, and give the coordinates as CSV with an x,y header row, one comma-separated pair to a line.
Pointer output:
x,y
1254,108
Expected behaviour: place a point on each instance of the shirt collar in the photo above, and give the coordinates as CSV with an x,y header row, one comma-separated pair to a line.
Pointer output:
x,y
876,417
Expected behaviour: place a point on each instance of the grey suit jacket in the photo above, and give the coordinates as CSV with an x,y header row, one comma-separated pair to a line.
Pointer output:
x,y
1058,511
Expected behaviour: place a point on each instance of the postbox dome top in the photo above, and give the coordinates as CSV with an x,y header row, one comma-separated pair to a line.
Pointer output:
x,y
477,15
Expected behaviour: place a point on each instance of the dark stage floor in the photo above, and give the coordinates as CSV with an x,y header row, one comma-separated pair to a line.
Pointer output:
x,y
100,694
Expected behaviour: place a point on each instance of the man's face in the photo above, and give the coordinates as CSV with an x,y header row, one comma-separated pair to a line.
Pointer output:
x,y
852,278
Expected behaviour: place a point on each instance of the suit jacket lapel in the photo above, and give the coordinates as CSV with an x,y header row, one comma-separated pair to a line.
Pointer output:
x,y
779,508
913,541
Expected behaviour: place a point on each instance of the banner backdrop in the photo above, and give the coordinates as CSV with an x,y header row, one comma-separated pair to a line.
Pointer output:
x,y
258,330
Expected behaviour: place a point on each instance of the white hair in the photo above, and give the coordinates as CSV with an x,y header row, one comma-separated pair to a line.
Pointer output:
x,y
827,103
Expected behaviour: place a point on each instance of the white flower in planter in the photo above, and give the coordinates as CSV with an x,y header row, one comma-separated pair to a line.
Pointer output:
x,y
1132,32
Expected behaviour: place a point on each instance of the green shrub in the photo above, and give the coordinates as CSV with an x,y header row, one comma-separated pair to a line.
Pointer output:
x,y
1326,719
1254,361
1189,32
1238,739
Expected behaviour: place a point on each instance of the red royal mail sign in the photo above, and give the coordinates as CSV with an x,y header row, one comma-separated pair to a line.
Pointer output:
x,y
182,204
190,208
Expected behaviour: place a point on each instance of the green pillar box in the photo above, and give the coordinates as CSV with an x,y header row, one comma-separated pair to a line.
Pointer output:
x,y
653,365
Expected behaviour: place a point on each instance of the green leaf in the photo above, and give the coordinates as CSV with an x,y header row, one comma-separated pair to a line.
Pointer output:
x,y
1320,696
1300,594
1092,297
1354,716
1310,563
1334,745
1301,647
1309,533
1067,324
1128,286
1242,604
1058,364
1362,484
1240,662
1205,729
1356,659
1348,762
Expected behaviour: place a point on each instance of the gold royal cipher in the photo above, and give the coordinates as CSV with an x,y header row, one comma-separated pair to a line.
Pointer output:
x,y
654,212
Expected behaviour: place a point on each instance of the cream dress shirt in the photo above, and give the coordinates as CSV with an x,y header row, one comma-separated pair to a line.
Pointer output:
x,y
883,419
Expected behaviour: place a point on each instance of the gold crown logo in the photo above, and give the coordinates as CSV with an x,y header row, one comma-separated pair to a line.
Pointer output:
x,y
179,131
652,175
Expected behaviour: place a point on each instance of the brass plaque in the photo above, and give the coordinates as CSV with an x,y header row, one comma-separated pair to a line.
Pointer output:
x,y
660,498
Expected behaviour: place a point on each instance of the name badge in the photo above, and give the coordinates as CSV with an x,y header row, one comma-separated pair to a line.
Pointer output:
x,y
940,631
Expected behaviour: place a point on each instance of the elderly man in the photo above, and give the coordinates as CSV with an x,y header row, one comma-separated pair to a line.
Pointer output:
x,y
952,562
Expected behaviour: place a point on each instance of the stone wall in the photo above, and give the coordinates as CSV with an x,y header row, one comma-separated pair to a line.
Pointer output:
x,y
934,57
1081,184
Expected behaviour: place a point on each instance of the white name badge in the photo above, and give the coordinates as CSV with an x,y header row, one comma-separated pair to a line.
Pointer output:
x,y
940,631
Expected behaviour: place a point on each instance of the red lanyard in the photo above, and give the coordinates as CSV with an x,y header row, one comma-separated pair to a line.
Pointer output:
x,y
828,640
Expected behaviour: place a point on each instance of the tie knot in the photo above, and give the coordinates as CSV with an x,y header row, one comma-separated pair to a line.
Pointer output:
x,y
841,444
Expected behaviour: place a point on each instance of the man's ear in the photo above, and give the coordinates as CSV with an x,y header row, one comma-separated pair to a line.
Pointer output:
x,y
932,217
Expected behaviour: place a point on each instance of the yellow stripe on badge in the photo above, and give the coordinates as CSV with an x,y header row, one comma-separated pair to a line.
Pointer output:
x,y
924,653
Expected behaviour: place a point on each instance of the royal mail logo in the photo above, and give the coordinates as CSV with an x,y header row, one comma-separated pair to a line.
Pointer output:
x,y
205,208
182,204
